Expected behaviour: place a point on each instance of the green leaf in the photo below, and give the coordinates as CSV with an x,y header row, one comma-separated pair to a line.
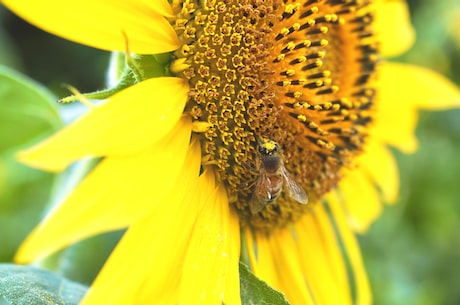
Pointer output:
x,y
27,109
25,285
256,292
27,112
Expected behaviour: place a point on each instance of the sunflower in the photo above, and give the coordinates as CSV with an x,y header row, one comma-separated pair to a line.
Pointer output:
x,y
263,136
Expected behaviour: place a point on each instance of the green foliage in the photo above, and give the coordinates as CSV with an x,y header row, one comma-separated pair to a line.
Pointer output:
x,y
82,261
27,105
256,292
24,285
26,112
412,251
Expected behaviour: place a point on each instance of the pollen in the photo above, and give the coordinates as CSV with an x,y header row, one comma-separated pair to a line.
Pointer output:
x,y
299,73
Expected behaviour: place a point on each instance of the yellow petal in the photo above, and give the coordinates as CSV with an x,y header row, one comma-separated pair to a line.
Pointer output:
x,y
278,263
363,291
250,248
288,264
130,121
103,24
162,7
360,198
403,89
416,86
118,191
263,265
400,135
381,166
147,261
322,261
393,28
207,266
232,287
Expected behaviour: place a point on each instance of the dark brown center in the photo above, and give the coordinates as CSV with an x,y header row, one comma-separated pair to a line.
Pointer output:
x,y
295,72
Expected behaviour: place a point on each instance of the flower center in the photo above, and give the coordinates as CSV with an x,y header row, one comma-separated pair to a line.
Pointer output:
x,y
291,73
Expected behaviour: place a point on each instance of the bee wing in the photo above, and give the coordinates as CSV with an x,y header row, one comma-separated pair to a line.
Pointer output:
x,y
261,194
293,188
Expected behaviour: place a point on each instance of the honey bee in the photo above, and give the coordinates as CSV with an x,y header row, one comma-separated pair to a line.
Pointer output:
x,y
272,177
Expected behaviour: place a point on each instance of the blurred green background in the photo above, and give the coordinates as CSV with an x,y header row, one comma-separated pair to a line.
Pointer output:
x,y
412,252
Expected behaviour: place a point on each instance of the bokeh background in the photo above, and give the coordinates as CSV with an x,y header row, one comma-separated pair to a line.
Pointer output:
x,y
412,253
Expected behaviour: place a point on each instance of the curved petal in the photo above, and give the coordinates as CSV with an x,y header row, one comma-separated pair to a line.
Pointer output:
x,y
351,248
393,28
148,279
278,263
417,86
322,261
395,123
118,191
403,89
210,262
232,287
130,121
360,198
103,24
379,163
288,262
262,260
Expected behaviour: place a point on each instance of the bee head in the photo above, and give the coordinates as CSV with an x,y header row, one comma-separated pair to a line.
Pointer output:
x,y
268,147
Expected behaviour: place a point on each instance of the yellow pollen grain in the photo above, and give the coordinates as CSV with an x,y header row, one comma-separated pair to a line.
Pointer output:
x,y
336,107
307,43
302,118
346,102
284,31
296,26
290,46
291,8
280,57
286,83
301,59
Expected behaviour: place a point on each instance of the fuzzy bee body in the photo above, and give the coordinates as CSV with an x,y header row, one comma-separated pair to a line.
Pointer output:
x,y
273,178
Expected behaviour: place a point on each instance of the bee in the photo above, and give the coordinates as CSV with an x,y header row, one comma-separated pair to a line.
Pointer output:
x,y
272,177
